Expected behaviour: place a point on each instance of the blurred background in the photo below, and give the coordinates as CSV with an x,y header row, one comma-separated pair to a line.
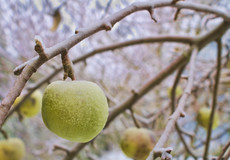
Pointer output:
x,y
118,72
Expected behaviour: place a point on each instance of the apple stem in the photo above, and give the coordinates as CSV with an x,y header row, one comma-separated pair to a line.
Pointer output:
x,y
5,135
56,147
67,66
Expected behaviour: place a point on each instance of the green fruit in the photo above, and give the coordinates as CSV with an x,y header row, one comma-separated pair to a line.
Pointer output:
x,y
76,110
203,118
12,149
178,91
137,143
31,106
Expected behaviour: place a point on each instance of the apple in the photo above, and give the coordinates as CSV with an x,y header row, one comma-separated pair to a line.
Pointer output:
x,y
76,110
178,91
203,118
12,149
32,105
137,143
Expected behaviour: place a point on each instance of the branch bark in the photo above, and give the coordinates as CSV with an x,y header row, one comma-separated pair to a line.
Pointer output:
x,y
224,150
158,150
173,98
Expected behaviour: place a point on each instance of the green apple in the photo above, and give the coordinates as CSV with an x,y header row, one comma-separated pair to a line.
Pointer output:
x,y
32,105
12,149
76,110
178,91
137,143
203,118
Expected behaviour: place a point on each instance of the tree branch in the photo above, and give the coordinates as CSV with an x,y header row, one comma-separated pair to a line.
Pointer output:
x,y
224,150
203,8
135,121
5,135
158,150
173,97
214,99
227,155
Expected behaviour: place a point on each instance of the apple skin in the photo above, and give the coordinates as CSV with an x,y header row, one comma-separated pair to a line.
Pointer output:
x,y
31,106
203,118
12,149
76,110
137,143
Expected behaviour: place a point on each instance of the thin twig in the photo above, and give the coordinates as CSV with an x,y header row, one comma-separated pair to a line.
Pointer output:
x,y
134,119
158,113
224,150
188,149
187,133
173,91
56,147
212,71
227,155
214,99
176,14
147,121
214,138
5,135
203,142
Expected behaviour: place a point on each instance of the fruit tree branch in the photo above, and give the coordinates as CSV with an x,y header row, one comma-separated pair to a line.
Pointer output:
x,y
158,150
224,150
214,99
227,155
173,97
203,8
5,135
135,121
